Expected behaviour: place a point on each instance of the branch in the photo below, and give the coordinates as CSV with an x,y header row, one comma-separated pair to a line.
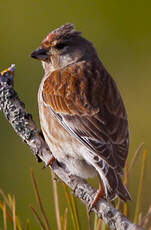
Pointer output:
x,y
23,124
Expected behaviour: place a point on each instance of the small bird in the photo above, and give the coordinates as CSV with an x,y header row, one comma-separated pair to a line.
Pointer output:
x,y
82,115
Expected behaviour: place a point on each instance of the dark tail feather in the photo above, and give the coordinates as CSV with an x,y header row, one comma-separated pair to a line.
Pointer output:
x,y
113,185
122,191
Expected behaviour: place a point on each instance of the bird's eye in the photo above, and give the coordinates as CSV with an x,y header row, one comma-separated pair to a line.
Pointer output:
x,y
60,46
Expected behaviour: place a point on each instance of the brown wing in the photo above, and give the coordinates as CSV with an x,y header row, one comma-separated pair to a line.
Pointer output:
x,y
86,101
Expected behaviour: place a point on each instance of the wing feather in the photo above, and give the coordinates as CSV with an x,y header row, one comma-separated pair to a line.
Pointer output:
x,y
86,101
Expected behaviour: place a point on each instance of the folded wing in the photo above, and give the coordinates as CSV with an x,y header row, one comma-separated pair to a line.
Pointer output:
x,y
87,103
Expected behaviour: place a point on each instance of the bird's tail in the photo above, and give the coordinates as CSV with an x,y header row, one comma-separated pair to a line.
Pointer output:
x,y
122,191
113,185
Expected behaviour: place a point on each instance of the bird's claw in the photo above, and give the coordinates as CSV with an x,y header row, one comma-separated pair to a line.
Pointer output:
x,y
99,194
49,163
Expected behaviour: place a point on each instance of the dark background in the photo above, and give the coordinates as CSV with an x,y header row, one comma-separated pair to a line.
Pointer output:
x,y
121,33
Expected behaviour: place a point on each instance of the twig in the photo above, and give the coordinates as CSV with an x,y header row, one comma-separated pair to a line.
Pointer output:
x,y
14,110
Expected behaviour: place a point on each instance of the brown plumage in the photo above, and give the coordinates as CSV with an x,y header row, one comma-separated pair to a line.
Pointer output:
x,y
82,114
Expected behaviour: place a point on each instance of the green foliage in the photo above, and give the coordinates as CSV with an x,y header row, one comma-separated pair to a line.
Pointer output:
x,y
8,205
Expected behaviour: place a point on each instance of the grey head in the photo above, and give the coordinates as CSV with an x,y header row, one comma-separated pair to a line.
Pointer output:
x,y
64,46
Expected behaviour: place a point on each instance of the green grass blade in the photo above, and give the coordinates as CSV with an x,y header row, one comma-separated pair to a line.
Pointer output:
x,y
73,201
95,222
56,200
104,226
38,218
18,224
99,224
147,219
65,219
137,209
68,198
90,219
39,200
140,219
5,198
5,217
136,154
125,209
14,213
118,205
7,213
27,224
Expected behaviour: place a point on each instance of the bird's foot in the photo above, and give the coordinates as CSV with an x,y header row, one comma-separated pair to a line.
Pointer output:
x,y
99,194
50,162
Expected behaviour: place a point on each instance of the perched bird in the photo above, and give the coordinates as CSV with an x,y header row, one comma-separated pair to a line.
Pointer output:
x,y
82,114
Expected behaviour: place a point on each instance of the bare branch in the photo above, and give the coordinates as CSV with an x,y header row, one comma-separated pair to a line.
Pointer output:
x,y
22,122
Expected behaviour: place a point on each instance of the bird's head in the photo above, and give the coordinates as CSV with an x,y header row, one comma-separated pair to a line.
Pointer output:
x,y
62,47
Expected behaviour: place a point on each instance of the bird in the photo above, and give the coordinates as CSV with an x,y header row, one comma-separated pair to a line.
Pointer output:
x,y
82,114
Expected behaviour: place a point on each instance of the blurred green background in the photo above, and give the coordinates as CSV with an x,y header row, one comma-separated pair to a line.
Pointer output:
x,y
121,32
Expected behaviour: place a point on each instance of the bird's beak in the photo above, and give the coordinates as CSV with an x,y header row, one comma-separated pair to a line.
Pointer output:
x,y
40,54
